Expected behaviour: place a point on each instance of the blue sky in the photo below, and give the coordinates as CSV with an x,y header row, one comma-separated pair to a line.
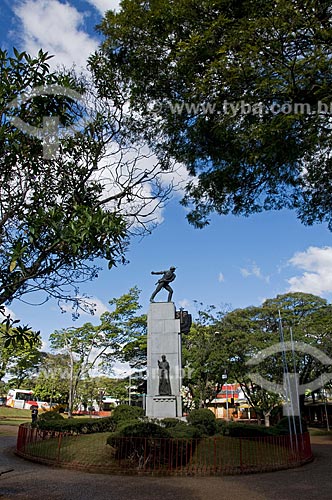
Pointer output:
x,y
234,261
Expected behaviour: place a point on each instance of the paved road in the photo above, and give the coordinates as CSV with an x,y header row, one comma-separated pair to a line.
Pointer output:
x,y
29,481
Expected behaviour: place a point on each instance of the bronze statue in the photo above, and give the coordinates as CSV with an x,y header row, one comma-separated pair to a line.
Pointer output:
x,y
163,282
164,381
185,320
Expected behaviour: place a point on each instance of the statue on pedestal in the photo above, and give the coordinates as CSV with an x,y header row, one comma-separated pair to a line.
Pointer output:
x,y
164,381
163,282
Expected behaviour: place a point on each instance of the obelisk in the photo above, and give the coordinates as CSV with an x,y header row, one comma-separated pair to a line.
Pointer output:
x,y
164,347
164,364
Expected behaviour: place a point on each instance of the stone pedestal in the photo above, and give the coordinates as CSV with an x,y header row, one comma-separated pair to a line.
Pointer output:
x,y
164,338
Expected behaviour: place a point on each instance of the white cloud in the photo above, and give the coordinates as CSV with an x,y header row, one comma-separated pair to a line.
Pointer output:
x,y
121,370
45,345
123,168
56,28
254,270
8,312
184,303
98,306
316,263
221,277
103,5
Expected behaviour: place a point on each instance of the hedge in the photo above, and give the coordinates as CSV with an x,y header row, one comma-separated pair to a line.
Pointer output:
x,y
204,420
144,442
78,426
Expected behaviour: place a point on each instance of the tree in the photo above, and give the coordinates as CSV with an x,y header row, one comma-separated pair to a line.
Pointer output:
x,y
88,391
94,388
202,375
52,381
19,352
78,344
25,367
59,213
246,332
92,346
237,91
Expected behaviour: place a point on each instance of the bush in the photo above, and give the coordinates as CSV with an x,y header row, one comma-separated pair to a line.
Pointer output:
x,y
136,440
77,426
204,421
234,429
141,429
179,429
123,413
170,422
142,442
50,416
283,425
184,431
59,408
221,426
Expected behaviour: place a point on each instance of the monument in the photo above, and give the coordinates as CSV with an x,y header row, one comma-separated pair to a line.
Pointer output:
x,y
164,364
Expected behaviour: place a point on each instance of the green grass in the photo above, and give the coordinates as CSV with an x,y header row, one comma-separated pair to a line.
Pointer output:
x,y
13,421
88,449
6,412
235,453
14,416
220,454
320,432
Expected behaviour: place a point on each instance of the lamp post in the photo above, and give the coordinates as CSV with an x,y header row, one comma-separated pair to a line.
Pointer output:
x,y
224,377
102,393
129,390
132,376
325,405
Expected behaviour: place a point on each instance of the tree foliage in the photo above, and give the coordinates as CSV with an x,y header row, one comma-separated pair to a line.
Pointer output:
x,y
237,91
244,333
52,380
91,346
19,352
58,215
224,341
203,374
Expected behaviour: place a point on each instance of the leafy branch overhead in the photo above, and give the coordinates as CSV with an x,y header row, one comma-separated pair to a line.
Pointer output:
x,y
240,92
19,347
59,215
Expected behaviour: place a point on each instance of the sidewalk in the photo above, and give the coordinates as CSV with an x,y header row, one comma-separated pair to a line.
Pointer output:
x,y
29,481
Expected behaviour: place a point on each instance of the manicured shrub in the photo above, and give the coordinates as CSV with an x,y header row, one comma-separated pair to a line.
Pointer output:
x,y
291,422
78,426
221,426
141,443
169,422
138,442
124,413
179,429
141,429
234,429
50,416
204,420
121,416
184,431
59,408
